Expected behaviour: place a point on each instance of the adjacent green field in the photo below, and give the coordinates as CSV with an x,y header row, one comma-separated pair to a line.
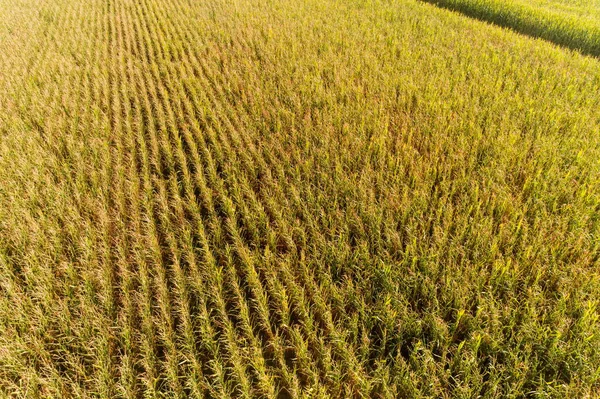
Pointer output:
x,y
570,23
320,198
584,9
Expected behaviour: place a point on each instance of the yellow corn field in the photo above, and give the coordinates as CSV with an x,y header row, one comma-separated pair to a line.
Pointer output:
x,y
294,199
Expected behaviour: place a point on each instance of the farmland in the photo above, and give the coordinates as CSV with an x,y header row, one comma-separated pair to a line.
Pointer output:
x,y
574,24
286,199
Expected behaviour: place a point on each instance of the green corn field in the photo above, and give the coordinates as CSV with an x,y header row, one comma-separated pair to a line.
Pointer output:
x,y
299,199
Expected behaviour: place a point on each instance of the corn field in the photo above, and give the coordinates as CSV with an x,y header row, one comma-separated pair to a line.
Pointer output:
x,y
573,24
294,199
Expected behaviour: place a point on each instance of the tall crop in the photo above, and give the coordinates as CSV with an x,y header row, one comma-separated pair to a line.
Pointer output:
x,y
256,198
